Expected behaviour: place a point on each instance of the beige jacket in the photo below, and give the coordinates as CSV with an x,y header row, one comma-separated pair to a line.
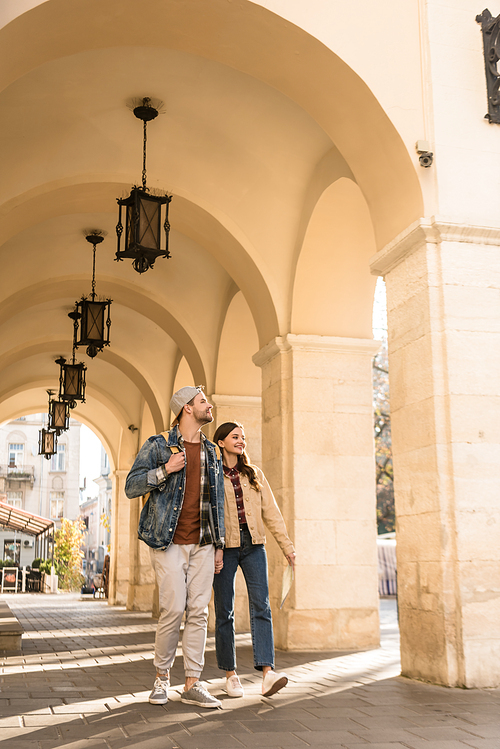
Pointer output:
x,y
260,509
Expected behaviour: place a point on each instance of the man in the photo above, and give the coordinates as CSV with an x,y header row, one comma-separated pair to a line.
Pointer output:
x,y
183,524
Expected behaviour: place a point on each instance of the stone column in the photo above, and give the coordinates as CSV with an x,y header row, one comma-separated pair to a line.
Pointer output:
x,y
443,291
141,584
119,546
318,455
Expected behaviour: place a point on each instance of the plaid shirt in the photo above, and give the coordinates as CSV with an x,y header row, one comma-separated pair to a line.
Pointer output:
x,y
206,536
234,476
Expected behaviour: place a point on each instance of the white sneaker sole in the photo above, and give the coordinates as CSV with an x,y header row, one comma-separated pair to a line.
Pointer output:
x,y
158,700
278,684
200,704
231,694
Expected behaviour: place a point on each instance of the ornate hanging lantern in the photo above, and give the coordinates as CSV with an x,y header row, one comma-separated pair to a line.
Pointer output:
x,y
47,443
145,215
92,318
71,380
58,414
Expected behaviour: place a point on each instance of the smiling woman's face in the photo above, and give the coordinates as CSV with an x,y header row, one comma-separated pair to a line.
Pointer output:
x,y
234,444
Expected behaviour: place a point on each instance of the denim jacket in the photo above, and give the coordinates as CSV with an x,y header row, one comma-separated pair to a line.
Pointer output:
x,y
161,512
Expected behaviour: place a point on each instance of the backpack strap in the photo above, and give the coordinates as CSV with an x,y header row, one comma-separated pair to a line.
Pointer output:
x,y
173,448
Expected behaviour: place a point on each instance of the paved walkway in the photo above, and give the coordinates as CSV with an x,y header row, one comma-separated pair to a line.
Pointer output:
x,y
86,672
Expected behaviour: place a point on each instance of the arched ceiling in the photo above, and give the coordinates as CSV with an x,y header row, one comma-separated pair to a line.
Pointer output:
x,y
258,120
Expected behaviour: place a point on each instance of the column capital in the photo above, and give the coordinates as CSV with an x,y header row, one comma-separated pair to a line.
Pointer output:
x,y
433,230
236,400
121,473
315,343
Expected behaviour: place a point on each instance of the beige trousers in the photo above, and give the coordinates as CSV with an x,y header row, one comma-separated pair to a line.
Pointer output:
x,y
184,573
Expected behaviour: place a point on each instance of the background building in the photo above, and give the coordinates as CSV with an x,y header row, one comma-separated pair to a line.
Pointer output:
x,y
96,514
28,481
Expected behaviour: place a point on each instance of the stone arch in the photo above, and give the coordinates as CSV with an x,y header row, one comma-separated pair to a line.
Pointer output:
x,y
333,290
32,398
31,349
236,372
213,231
351,115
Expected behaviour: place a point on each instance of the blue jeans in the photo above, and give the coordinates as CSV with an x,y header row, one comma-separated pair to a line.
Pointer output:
x,y
252,559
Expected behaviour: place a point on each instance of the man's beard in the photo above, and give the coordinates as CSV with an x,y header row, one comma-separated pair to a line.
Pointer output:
x,y
202,416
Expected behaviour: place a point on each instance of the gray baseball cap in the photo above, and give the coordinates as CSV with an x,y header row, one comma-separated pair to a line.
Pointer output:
x,y
181,397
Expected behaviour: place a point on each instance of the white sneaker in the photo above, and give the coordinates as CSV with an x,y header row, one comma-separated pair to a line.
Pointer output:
x,y
273,682
159,695
233,686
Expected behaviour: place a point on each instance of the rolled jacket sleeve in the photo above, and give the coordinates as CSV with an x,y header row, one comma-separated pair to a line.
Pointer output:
x,y
145,474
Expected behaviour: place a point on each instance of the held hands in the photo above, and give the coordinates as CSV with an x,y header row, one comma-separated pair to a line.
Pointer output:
x,y
175,463
218,560
291,560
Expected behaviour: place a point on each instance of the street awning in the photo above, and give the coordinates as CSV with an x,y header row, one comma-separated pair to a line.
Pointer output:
x,y
22,521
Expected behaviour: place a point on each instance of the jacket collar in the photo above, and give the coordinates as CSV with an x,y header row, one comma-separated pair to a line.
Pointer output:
x,y
175,437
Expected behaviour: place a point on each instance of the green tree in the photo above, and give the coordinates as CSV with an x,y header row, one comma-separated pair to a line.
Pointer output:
x,y
386,519
68,554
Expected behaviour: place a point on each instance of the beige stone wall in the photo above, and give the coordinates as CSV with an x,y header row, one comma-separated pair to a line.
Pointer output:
x,y
443,283
318,458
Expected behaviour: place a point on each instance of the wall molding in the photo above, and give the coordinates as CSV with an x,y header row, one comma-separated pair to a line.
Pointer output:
x,y
433,230
315,344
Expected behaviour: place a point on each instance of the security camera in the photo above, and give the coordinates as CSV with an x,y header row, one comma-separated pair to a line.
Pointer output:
x,y
426,158
425,155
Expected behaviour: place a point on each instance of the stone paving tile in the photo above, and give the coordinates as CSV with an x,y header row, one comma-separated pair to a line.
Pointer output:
x,y
271,739
330,738
459,734
79,744
428,721
453,744
51,720
391,745
77,731
155,742
272,725
30,734
486,731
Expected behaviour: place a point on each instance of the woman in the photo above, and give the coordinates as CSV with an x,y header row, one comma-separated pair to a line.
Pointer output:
x,y
248,504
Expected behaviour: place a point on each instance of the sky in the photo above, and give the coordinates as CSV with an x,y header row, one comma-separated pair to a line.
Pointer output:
x,y
90,461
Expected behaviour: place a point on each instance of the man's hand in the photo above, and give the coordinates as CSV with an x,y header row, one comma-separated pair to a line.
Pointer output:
x,y
291,559
219,560
175,463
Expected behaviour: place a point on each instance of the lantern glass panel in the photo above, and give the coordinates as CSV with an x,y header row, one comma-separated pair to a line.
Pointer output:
x,y
58,414
47,444
149,223
92,322
72,382
130,231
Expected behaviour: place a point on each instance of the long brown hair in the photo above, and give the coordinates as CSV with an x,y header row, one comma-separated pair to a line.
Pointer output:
x,y
243,464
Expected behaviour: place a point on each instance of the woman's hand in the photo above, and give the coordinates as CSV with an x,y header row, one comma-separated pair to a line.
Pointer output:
x,y
291,560
219,560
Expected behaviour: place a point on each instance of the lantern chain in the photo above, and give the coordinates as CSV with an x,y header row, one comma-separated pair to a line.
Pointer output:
x,y
93,273
144,156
